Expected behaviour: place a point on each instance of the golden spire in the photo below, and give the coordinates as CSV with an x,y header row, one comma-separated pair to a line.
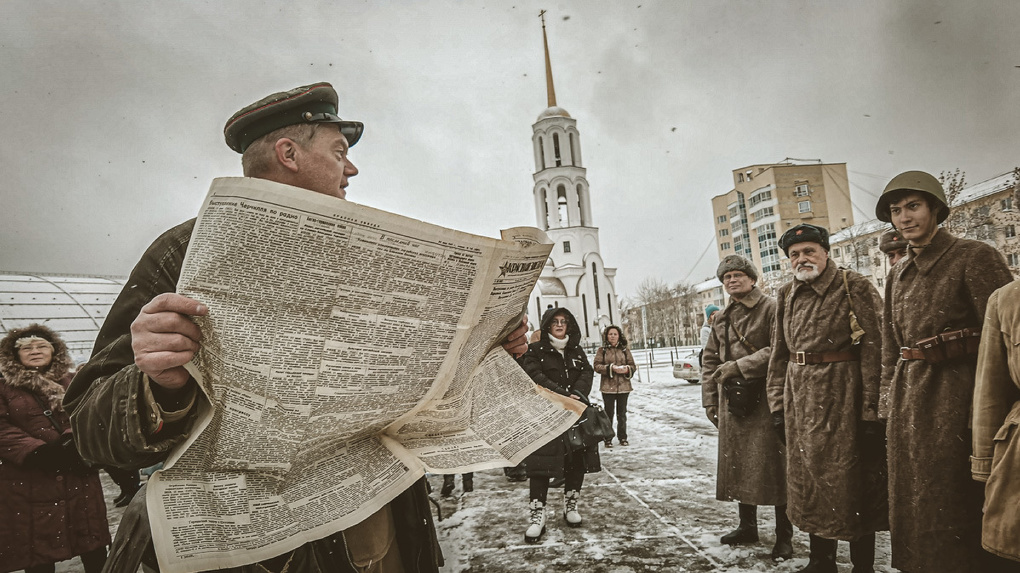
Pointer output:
x,y
548,65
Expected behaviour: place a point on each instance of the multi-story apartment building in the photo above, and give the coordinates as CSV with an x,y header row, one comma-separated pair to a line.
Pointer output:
x,y
988,211
768,199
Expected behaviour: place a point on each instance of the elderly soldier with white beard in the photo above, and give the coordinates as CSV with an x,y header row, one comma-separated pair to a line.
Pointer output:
x,y
823,387
752,468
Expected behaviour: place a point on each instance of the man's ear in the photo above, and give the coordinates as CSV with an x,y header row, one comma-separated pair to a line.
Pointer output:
x,y
286,153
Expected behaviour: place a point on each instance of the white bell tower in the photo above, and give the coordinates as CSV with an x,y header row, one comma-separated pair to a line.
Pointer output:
x,y
574,277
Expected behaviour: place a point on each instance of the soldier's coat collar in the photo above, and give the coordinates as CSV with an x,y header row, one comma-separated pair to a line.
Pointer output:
x,y
926,259
750,301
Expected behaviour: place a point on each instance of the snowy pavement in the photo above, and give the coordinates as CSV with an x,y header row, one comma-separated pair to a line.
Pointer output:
x,y
651,509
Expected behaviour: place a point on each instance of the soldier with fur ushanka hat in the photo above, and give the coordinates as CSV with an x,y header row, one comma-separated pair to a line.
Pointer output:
x,y
752,460
823,390
893,245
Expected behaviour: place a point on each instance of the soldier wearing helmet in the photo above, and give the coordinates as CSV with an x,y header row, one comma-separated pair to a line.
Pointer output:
x,y
934,306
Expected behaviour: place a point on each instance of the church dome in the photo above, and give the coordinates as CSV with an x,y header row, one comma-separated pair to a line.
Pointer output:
x,y
554,111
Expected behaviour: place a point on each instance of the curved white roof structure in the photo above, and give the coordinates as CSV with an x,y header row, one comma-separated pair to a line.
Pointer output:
x,y
75,306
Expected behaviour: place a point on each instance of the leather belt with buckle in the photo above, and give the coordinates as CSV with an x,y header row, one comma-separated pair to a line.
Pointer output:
x,y
803,358
908,353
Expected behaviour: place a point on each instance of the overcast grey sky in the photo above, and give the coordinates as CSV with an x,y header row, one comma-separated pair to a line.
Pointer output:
x,y
113,112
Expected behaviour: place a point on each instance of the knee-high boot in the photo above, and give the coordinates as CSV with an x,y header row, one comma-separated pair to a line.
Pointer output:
x,y
784,535
747,531
862,554
448,486
823,556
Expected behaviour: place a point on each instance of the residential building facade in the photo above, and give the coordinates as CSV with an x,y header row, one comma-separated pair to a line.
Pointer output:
x,y
768,199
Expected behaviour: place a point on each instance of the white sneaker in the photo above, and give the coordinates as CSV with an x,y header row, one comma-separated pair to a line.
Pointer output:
x,y
570,508
536,520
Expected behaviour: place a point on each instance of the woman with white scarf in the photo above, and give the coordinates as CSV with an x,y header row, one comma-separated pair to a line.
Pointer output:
x,y
557,362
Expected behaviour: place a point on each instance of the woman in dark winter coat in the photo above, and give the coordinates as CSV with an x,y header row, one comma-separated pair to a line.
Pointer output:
x,y
51,503
615,364
559,364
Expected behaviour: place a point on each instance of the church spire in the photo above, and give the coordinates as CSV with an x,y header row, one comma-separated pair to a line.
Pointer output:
x,y
548,65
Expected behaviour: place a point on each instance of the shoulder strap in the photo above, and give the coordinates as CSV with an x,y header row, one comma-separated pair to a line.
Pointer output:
x,y
48,413
856,332
740,337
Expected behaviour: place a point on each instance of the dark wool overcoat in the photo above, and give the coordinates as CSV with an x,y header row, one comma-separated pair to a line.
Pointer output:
x,y
606,357
935,506
566,374
836,488
45,515
996,458
752,459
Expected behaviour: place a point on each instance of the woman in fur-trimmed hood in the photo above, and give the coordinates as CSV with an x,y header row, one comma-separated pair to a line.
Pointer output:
x,y
52,507
558,363
45,380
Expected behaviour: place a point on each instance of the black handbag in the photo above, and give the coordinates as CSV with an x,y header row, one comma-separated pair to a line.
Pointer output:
x,y
593,427
743,395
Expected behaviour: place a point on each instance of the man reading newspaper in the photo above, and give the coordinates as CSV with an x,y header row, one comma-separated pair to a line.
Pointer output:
x,y
135,400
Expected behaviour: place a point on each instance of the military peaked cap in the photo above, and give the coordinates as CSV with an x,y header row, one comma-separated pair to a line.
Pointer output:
x,y
316,103
804,233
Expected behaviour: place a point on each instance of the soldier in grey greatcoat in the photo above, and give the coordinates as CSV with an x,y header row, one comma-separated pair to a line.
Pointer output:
x,y
823,389
935,303
752,459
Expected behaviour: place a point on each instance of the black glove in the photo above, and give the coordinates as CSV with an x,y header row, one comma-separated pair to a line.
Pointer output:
x,y
779,425
46,457
59,455
727,371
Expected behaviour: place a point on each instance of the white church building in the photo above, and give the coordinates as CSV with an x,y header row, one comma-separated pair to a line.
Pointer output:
x,y
575,276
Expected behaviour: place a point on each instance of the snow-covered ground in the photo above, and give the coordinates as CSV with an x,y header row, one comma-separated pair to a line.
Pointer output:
x,y
651,509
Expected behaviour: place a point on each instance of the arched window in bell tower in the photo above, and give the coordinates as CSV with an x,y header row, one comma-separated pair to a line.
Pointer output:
x,y
556,149
544,206
541,153
580,206
561,205
595,282
574,159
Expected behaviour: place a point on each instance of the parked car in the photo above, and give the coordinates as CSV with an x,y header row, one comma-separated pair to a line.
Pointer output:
x,y
686,367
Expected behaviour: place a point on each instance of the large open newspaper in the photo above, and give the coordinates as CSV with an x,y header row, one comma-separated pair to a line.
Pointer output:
x,y
347,351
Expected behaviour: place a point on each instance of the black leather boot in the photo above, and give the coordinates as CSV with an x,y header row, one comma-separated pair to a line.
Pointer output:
x,y
823,556
447,490
784,535
468,481
862,554
747,531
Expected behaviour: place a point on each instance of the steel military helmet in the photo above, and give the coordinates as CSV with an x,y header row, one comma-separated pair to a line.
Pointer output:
x,y
912,181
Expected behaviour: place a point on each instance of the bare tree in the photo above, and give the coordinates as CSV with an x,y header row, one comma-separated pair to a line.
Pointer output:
x,y
654,296
858,249
953,183
687,311
771,282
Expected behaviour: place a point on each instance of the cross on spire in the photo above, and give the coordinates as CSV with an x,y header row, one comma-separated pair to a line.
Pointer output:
x,y
548,65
